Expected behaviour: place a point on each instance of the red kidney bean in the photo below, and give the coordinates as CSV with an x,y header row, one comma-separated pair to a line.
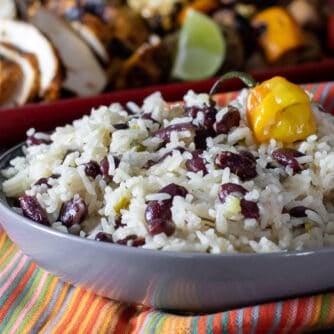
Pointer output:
x,y
103,236
209,115
205,127
73,212
159,225
104,165
136,241
164,133
33,210
249,209
196,163
118,223
92,169
158,209
200,138
45,180
230,119
298,211
174,189
158,213
242,164
33,140
139,241
147,116
227,189
287,157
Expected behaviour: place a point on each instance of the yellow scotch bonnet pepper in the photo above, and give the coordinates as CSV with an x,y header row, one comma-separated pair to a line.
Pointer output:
x,y
276,109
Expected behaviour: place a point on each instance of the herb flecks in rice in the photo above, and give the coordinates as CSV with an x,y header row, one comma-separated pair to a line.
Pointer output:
x,y
115,163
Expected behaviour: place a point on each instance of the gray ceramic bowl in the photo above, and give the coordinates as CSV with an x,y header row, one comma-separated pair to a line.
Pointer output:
x,y
168,280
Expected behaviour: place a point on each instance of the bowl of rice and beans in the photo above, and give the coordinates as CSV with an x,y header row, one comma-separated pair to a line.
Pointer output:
x,y
196,205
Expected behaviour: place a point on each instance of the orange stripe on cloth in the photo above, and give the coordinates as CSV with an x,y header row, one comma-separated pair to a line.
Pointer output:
x,y
248,320
231,325
80,316
92,314
165,323
81,307
267,314
110,321
3,237
302,304
179,324
290,316
316,311
202,324
69,311
61,297
104,320
318,92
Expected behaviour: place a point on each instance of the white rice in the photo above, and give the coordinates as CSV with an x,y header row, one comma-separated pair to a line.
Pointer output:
x,y
202,222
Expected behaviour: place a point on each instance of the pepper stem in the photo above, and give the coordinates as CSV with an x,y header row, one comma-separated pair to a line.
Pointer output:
x,y
247,79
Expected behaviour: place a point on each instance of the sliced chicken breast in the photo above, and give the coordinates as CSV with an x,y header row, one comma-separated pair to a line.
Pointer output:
x,y
84,75
10,77
95,33
28,38
25,89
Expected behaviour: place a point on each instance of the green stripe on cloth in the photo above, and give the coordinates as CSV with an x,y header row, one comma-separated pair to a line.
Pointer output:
x,y
39,323
37,304
194,325
14,284
21,303
225,322
324,308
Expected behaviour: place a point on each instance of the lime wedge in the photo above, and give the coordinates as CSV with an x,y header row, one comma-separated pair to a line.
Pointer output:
x,y
201,48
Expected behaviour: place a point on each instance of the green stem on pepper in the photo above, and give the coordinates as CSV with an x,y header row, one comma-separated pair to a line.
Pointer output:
x,y
246,78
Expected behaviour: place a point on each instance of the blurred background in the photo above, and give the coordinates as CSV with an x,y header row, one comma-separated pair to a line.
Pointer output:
x,y
55,49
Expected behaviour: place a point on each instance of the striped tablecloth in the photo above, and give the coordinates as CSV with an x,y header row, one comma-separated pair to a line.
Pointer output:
x,y
35,301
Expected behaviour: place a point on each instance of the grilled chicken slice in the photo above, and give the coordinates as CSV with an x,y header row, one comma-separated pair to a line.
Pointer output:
x,y
95,33
84,74
10,77
24,83
29,39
